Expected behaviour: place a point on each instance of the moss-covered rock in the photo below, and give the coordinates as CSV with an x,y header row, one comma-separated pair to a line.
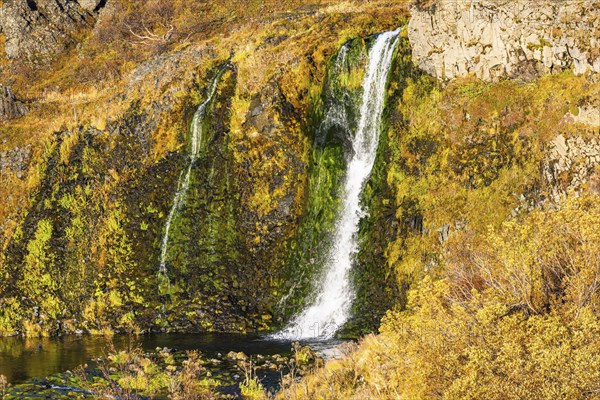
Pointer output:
x,y
93,203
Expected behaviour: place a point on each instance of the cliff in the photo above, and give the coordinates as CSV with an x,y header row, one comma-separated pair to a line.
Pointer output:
x,y
515,39
36,30
91,171
480,242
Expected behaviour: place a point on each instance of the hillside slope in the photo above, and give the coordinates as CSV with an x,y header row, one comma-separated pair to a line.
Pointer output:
x,y
480,244
90,171
497,204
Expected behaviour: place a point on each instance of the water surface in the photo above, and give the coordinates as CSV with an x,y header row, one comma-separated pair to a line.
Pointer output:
x,y
23,359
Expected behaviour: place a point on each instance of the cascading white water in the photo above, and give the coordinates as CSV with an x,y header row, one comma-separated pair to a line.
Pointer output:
x,y
184,179
332,306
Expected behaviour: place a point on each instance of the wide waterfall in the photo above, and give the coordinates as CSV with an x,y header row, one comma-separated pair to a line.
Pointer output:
x,y
184,178
332,305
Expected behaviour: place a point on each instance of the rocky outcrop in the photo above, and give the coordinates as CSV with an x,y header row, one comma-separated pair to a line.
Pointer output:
x,y
588,114
92,5
10,107
570,164
36,30
505,38
16,160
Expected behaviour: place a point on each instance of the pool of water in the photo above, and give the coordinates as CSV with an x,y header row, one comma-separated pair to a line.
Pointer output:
x,y
23,359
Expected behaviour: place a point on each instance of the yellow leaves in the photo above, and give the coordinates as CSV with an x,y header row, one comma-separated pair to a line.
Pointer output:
x,y
113,224
239,109
540,261
516,314
37,281
67,145
114,299
489,357
352,79
498,341
261,199
10,315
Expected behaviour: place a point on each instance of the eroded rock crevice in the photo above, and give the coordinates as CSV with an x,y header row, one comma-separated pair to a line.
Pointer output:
x,y
570,164
10,106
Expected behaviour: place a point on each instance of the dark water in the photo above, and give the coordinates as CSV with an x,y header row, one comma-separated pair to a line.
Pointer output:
x,y
24,359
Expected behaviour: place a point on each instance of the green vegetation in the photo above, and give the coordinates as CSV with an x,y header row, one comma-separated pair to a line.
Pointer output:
x,y
499,297
487,285
132,374
514,315
106,156
311,247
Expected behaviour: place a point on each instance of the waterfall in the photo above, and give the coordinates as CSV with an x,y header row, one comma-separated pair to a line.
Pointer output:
x,y
184,178
332,305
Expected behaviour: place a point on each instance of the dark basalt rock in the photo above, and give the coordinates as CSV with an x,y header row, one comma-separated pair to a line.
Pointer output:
x,y
36,30
10,107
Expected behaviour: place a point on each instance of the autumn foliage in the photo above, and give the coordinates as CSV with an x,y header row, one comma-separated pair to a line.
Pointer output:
x,y
514,317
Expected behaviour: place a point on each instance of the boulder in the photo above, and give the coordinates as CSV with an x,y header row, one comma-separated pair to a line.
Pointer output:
x,y
10,107
91,5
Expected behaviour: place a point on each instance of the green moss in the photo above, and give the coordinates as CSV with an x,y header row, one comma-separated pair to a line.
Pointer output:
x,y
106,192
538,46
374,280
310,248
377,289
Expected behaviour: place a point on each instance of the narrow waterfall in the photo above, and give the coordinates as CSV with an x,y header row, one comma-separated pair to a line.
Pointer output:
x,y
332,305
184,179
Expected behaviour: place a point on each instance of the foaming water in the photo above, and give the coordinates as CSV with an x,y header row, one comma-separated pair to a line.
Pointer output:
x,y
332,305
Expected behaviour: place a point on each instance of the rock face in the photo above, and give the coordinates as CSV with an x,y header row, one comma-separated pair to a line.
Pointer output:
x,y
91,5
10,107
569,164
36,30
587,115
505,38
